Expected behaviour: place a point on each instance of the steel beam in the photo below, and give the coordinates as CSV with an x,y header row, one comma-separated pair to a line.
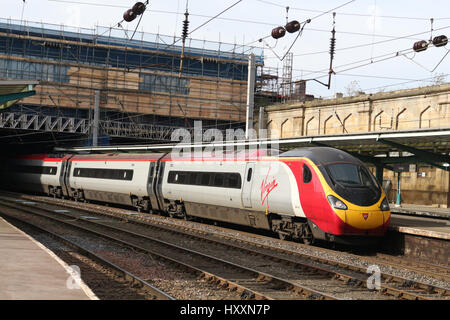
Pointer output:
x,y
422,155
10,99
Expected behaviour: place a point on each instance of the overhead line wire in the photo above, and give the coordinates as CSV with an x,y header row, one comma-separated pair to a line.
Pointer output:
x,y
267,2
353,14
226,19
367,44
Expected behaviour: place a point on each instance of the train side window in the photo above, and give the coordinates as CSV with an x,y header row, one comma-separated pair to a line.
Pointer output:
x,y
198,179
183,177
152,168
234,181
307,175
192,178
130,175
205,179
218,180
171,178
249,174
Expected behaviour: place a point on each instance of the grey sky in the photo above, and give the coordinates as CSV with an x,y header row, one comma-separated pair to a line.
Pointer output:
x,y
371,24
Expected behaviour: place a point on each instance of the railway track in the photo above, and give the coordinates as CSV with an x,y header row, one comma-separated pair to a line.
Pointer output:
x,y
250,283
313,271
433,270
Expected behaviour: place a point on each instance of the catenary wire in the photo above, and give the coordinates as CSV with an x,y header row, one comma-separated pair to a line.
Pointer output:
x,y
366,44
228,19
353,14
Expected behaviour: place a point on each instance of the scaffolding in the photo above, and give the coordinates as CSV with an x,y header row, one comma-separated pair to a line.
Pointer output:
x,y
286,85
138,79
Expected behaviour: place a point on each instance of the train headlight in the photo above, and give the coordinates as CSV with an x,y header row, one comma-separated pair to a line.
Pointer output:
x,y
336,203
384,205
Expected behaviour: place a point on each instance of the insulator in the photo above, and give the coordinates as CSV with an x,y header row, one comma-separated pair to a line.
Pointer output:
x,y
129,15
278,32
420,46
440,41
139,8
332,44
185,28
292,26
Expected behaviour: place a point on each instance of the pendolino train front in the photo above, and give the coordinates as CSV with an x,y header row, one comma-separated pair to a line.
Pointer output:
x,y
308,193
340,198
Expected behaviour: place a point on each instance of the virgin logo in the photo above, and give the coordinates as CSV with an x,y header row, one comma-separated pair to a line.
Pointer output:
x,y
266,188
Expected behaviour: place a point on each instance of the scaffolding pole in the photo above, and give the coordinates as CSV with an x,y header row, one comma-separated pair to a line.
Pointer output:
x,y
250,95
96,118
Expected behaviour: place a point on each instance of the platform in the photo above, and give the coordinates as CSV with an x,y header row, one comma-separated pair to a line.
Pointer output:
x,y
422,226
29,271
426,211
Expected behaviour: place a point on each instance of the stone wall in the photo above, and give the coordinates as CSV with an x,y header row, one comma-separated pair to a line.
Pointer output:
x,y
427,186
427,107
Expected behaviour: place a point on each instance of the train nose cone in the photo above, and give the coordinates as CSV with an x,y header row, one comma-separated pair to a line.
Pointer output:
x,y
364,220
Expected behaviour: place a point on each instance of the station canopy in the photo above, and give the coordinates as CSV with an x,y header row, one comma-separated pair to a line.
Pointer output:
x,y
12,91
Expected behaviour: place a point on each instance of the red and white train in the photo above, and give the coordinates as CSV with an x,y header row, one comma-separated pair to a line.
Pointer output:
x,y
308,193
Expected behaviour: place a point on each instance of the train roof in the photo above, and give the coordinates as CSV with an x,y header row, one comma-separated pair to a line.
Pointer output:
x,y
119,156
41,157
319,155
322,155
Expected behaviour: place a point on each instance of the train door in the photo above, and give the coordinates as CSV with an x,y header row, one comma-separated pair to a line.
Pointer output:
x,y
307,191
157,185
150,183
247,185
62,176
65,171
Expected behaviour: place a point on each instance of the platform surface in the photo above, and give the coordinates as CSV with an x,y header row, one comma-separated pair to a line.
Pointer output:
x,y
29,271
422,226
418,210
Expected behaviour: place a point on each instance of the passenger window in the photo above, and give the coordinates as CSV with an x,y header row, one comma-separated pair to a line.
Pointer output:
x,y
192,178
307,175
183,178
234,181
218,180
205,179
249,175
